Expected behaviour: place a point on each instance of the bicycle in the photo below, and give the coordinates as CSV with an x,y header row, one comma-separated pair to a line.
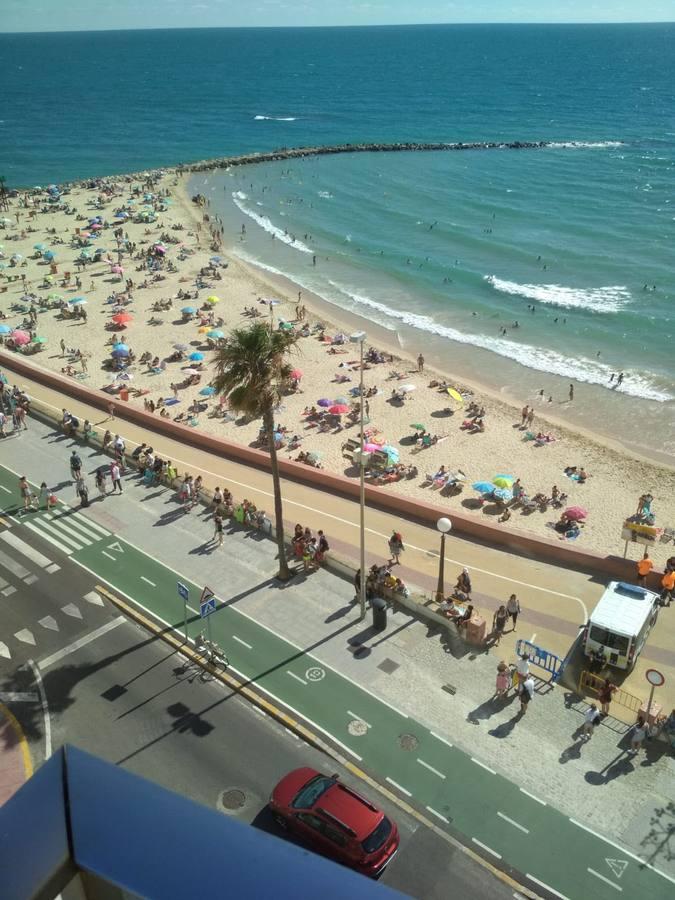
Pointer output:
x,y
213,654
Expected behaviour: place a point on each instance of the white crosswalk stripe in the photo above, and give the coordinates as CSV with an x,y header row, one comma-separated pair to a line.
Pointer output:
x,y
90,528
67,530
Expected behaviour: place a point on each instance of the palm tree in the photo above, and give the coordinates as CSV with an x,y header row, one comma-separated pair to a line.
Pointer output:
x,y
251,369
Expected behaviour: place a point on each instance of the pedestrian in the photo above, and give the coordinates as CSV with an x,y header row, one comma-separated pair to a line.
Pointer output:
x,y
503,681
530,418
605,695
420,363
644,567
499,623
321,548
3,419
107,441
571,394
463,586
43,498
638,736
20,417
217,501
526,693
522,670
525,411
75,465
24,488
357,585
667,587
218,528
111,411
115,477
62,345
99,480
513,609
82,492
591,719
396,547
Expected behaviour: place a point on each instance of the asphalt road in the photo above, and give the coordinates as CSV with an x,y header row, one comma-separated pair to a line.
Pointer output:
x,y
118,692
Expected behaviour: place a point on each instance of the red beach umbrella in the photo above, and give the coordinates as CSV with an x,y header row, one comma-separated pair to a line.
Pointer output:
x,y
576,513
122,318
339,409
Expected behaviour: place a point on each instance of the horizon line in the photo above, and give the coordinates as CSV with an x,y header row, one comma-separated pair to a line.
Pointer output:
x,y
355,25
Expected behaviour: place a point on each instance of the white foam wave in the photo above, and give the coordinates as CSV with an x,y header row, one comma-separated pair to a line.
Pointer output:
x,y
584,145
275,118
268,226
609,299
240,195
537,358
326,195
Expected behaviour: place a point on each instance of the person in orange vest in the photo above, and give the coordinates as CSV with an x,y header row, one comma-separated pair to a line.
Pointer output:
x,y
644,567
667,587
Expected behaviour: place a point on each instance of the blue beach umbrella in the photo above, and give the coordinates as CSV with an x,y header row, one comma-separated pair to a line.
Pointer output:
x,y
38,247
503,494
188,309
483,487
5,329
121,346
216,333
196,356
207,391
343,400
392,452
48,254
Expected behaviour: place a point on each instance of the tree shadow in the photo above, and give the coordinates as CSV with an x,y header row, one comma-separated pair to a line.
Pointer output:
x,y
660,839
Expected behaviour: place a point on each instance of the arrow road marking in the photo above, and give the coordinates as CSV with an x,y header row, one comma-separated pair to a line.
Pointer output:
x,y
25,636
4,651
71,610
49,622
94,597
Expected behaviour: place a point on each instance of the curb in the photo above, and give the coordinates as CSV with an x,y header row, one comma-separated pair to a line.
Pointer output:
x,y
309,737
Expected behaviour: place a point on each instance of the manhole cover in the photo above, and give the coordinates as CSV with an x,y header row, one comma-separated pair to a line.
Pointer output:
x,y
232,799
357,728
408,742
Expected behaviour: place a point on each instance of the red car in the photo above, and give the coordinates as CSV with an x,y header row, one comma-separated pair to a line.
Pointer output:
x,y
334,820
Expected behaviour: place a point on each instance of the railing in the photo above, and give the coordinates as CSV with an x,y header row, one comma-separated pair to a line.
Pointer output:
x,y
588,682
542,658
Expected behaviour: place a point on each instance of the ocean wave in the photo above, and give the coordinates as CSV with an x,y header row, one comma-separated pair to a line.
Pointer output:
x,y
584,145
541,360
608,299
275,118
267,224
326,195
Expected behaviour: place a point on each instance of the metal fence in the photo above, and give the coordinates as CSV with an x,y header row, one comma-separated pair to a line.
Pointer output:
x,y
588,682
540,657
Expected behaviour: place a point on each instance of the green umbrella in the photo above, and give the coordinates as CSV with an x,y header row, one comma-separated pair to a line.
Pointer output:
x,y
55,296
39,340
418,426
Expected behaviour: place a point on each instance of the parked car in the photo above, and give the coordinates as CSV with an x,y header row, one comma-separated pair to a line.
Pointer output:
x,y
334,820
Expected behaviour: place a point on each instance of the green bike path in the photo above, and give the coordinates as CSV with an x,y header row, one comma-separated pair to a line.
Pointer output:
x,y
506,825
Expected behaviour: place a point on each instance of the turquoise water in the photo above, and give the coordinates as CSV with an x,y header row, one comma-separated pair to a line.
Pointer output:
x,y
445,249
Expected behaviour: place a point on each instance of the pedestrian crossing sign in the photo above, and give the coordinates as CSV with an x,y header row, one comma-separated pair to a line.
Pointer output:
x,y
207,603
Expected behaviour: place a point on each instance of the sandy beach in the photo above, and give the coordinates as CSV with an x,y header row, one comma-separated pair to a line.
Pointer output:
x,y
615,480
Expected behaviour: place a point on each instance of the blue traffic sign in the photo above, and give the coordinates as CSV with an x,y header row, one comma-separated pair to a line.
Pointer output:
x,y
207,607
183,591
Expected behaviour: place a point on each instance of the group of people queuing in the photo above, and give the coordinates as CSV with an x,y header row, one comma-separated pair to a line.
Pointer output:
x,y
309,548
14,407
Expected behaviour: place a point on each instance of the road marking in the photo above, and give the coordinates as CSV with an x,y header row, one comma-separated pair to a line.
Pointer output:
x,y
91,524
6,592
482,765
292,733
624,851
71,610
485,847
617,887
30,552
109,555
46,537
18,696
618,866
73,532
531,641
6,490
116,546
430,768
439,738
532,797
94,597
49,622
4,651
297,677
31,579
438,815
82,642
243,643
13,566
147,581
25,636
360,718
77,527
512,822
54,567
398,787
55,531
547,887
45,707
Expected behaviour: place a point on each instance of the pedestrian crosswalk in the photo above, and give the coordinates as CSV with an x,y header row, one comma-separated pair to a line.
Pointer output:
x,y
69,531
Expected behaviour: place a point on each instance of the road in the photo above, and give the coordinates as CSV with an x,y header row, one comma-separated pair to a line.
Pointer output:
x,y
104,684
507,825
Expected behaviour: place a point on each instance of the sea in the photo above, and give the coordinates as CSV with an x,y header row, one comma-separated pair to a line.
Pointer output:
x,y
525,270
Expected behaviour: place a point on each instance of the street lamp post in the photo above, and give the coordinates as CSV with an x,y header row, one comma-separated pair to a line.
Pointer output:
x,y
443,525
359,338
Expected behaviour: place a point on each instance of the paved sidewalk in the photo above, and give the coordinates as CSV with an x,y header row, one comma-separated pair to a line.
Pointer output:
x,y
629,799
15,763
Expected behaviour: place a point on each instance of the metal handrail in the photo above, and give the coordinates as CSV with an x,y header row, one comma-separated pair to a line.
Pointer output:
x,y
594,683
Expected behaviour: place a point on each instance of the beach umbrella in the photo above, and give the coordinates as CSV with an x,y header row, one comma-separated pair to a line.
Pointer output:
x,y
343,401
49,279
4,329
455,395
502,481
39,247
392,452
20,337
296,373
120,345
370,447
78,301
338,409
181,347
324,402
202,329
503,494
483,487
407,388
117,270
576,513
216,333
196,356
16,257
208,391
122,318
120,350
96,226
213,299
286,326
213,259
39,340
48,254
188,309
418,426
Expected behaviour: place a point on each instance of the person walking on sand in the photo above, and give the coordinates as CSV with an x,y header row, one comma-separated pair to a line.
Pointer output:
x,y
420,363
644,567
525,411
526,694
591,719
396,548
530,418
62,345
571,393
513,609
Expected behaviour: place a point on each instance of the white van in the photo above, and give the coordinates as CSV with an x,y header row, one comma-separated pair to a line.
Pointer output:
x,y
620,623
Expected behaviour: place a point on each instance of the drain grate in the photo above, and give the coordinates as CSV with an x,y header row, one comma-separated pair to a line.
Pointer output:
x,y
388,666
232,799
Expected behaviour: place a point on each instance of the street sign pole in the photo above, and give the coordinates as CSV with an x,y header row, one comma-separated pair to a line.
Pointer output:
x,y
655,679
184,594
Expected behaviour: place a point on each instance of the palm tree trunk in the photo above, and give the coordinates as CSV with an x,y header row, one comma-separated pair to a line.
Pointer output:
x,y
284,572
